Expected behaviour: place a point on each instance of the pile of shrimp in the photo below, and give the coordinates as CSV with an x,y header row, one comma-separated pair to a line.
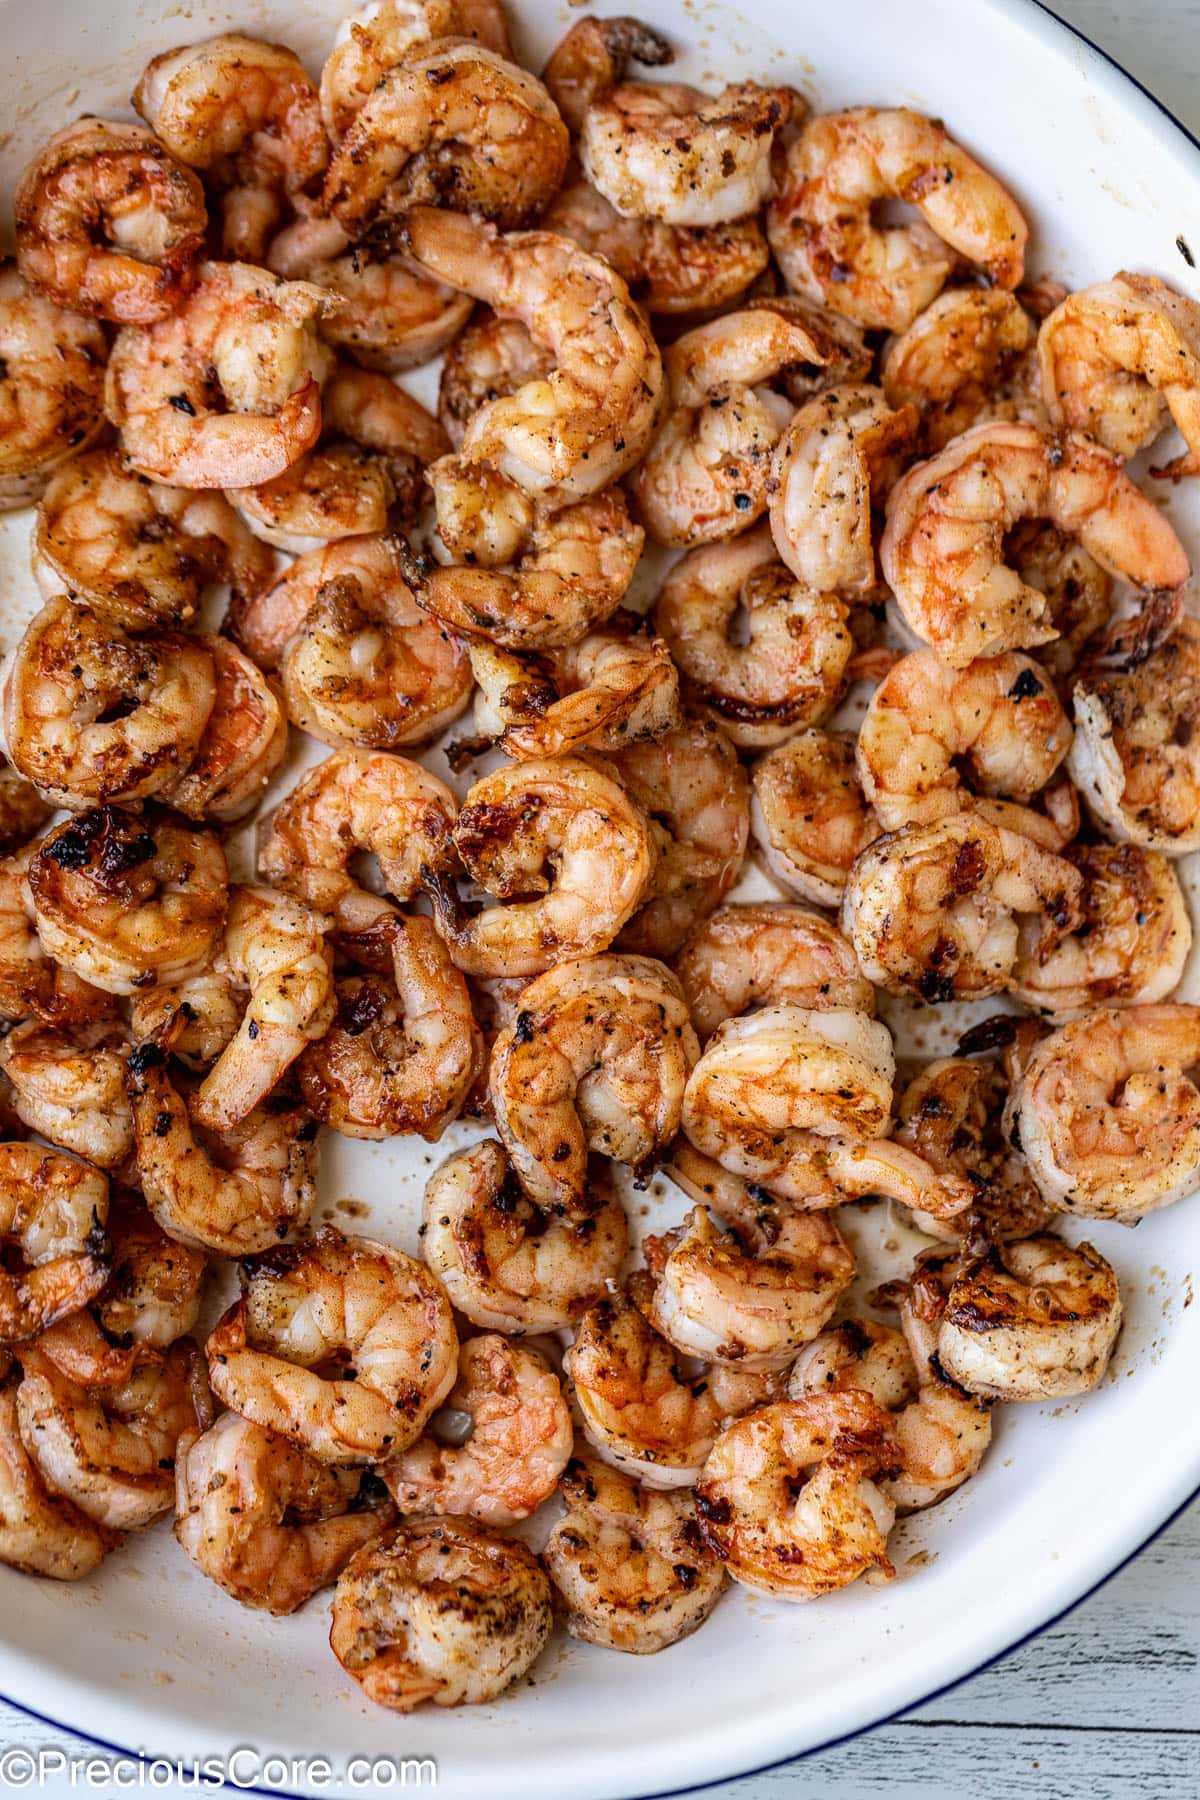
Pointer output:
x,y
894,466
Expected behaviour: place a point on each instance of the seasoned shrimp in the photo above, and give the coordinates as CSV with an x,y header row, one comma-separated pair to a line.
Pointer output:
x,y
89,714
443,1611
23,812
933,910
51,387
454,123
202,1014
996,720
40,1531
750,956
591,58
247,114
109,223
385,33
153,1294
267,1523
965,358
825,241
627,1563
596,1060
489,357
761,654
789,1498
1078,591
127,900
943,548
951,1114
225,392
241,746
346,1303
505,1439
507,1265
68,1085
1107,1114
693,790
809,816
566,852
32,985
52,1215
1120,361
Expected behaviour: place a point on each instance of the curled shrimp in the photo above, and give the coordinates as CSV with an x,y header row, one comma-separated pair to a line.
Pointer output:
x,y
126,900
109,223
344,1303
562,813
943,551
507,1265
627,1563
68,1085
201,1013
596,1060
245,113
589,60
41,1532
154,1292
761,654
53,1210
225,392
517,1441
51,387
386,32
829,248
32,984
967,357
809,817
241,746
750,956
489,357
266,1522
70,674
1078,591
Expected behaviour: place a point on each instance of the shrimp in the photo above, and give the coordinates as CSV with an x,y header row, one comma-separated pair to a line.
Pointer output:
x,y
589,61
762,655
694,793
51,387
1134,756
505,1440
154,1290
401,1054
225,392
943,551
90,714
127,900
345,1303
32,985
69,1087
933,910
821,230
53,1210
266,1522
1108,1116
441,1610
241,746
23,812
1120,361
40,1531
750,956
627,1563
385,33
1078,591
789,1498
454,123
666,151
137,552
596,1060
809,817
507,1265
202,1014
996,719
561,815
965,358
640,1412
245,113
109,223
488,358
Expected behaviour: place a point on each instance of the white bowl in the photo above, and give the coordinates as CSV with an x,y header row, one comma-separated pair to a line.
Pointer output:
x,y
149,1655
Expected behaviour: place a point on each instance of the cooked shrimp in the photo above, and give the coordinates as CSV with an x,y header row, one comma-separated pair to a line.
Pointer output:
x,y
943,549
69,1086
628,1563
51,387
859,1354
202,1014
247,114
337,1302
488,358
809,816
225,392
962,360
52,1214
761,654
385,33
1107,1115
596,1060
126,900
996,720
505,1439
933,910
109,223
31,984
267,1523
153,1294
561,815
507,1265
591,58
240,748
694,792
1078,591
750,956
789,1498
442,1611
23,812
41,1532
821,230
90,714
